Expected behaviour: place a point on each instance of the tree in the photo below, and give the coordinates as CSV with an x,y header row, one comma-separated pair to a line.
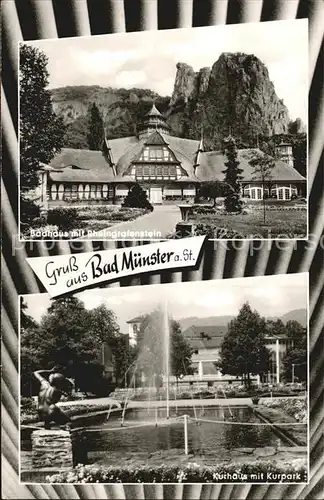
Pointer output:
x,y
32,350
73,338
295,359
67,326
137,198
103,325
232,173
262,166
299,148
96,132
181,353
41,130
276,327
243,352
211,189
296,332
124,357
294,365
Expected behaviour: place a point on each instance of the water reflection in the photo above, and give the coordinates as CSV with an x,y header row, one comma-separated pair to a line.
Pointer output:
x,y
203,437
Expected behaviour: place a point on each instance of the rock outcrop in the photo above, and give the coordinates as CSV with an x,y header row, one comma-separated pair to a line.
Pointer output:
x,y
189,84
185,85
235,96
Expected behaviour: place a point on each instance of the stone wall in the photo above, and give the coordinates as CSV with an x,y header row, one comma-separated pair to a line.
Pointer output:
x,y
52,449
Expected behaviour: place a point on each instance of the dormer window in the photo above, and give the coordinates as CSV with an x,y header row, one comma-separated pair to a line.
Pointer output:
x,y
154,153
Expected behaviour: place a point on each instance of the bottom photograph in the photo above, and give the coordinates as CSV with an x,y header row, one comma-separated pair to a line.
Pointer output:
x,y
193,382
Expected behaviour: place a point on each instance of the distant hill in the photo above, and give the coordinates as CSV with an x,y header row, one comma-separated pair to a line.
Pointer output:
x,y
119,108
299,315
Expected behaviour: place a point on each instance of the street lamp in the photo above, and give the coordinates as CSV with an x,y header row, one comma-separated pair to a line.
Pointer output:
x,y
293,373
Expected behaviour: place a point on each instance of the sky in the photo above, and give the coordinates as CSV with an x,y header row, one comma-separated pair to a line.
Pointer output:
x,y
148,59
269,295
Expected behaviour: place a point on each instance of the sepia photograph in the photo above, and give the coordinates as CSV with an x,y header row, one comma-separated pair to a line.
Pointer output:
x,y
166,134
177,383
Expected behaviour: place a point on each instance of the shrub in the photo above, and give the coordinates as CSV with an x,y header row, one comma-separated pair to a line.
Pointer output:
x,y
137,198
66,219
296,408
190,473
29,211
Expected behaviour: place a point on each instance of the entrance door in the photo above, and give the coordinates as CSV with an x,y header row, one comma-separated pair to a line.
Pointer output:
x,y
156,195
256,193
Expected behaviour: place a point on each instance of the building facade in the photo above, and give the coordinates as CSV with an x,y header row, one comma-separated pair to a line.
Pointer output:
x,y
168,168
206,343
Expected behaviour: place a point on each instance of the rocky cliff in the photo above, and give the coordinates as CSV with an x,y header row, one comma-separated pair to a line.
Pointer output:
x,y
235,96
189,84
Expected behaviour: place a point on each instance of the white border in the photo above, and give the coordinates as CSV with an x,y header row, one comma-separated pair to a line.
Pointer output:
x,y
209,483
21,240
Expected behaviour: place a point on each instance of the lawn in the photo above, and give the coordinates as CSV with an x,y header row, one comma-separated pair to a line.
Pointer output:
x,y
279,224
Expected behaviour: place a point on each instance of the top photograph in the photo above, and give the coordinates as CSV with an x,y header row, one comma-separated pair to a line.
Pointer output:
x,y
165,134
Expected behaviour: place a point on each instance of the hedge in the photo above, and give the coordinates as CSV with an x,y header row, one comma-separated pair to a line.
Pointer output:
x,y
296,471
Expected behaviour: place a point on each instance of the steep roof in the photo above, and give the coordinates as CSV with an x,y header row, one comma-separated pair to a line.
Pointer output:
x,y
155,139
205,337
137,319
125,150
213,162
154,111
80,165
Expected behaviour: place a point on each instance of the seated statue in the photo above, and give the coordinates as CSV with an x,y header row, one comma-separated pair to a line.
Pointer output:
x,y
50,393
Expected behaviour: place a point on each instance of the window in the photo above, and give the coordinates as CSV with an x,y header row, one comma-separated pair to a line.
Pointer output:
x,y
156,153
152,170
67,192
146,171
173,171
159,154
159,171
139,170
86,191
165,171
166,155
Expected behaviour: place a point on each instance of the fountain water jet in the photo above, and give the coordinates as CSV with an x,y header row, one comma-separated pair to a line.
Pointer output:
x,y
166,351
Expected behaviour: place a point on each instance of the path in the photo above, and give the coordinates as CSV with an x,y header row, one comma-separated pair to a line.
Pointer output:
x,y
154,225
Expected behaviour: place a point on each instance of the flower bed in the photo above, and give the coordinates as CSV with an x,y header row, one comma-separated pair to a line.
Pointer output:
x,y
72,222
257,472
296,408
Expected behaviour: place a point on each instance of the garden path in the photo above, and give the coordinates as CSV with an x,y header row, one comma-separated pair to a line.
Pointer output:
x,y
161,222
